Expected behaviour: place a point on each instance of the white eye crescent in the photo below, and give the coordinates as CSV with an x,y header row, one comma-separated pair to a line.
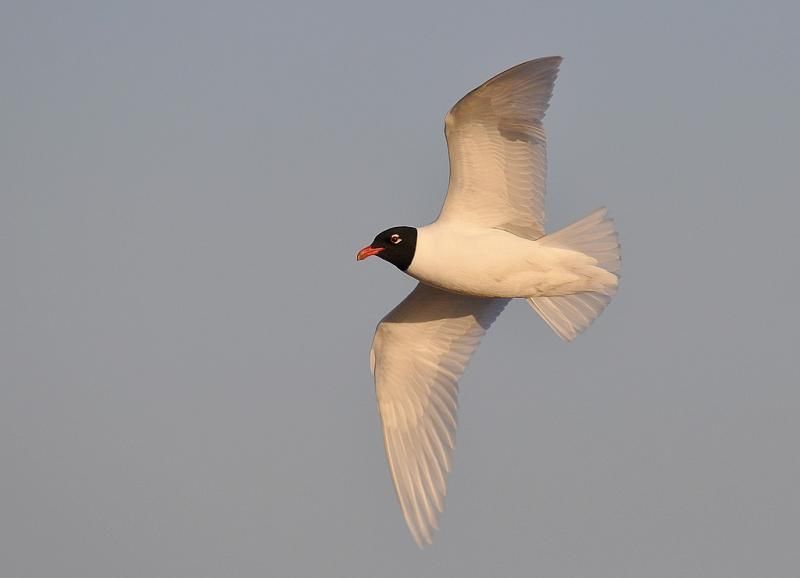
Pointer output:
x,y
395,239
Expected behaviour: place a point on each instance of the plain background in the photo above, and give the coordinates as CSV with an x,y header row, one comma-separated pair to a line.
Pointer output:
x,y
184,330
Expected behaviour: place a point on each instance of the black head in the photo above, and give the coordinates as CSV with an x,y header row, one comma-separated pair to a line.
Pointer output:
x,y
396,245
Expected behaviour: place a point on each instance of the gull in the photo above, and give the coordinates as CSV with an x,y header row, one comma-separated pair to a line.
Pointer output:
x,y
487,246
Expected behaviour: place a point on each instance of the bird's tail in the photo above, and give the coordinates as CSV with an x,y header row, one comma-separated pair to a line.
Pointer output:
x,y
594,235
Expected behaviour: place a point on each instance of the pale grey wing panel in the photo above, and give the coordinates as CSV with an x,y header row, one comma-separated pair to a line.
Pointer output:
x,y
419,351
497,148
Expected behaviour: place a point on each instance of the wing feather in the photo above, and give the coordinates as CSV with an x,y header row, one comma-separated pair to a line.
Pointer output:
x,y
497,149
419,351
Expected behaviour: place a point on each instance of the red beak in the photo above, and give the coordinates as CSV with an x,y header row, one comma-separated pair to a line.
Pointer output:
x,y
368,251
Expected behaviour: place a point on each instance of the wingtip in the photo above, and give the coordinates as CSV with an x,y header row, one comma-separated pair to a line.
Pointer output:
x,y
422,541
544,62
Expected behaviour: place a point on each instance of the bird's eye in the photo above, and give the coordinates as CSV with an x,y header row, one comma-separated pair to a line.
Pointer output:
x,y
395,239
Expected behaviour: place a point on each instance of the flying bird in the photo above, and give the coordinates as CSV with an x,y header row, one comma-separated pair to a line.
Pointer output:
x,y
487,246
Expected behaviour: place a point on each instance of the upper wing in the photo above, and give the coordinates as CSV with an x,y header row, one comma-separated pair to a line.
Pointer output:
x,y
496,144
419,351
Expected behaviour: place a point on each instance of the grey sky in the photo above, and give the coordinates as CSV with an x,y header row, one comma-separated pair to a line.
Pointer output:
x,y
184,334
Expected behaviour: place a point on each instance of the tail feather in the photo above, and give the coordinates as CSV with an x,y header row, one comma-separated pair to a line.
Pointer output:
x,y
569,315
594,235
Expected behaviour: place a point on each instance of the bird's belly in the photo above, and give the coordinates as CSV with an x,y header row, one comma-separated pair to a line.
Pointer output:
x,y
499,283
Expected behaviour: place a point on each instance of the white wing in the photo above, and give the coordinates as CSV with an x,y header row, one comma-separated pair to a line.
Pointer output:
x,y
497,149
419,351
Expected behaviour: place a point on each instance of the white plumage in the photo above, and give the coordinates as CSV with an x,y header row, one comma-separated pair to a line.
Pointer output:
x,y
487,246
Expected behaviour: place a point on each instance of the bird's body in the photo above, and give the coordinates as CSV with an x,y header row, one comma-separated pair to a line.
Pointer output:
x,y
487,262
487,246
